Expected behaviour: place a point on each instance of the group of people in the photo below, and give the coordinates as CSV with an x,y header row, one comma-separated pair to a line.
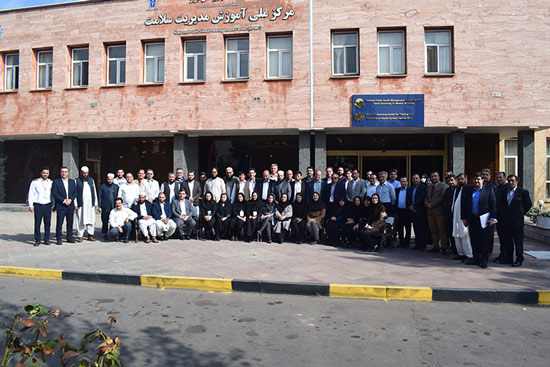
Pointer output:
x,y
340,209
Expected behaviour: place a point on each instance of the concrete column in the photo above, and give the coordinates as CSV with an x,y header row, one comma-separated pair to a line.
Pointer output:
x,y
70,155
526,160
3,159
321,151
457,152
304,152
186,153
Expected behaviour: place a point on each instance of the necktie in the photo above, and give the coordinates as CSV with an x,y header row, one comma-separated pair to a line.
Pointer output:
x,y
510,196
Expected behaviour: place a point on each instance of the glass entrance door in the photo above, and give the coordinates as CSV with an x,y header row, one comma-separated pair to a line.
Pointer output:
x,y
384,163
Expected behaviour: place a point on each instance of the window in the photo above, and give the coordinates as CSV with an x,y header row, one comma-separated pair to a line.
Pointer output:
x,y
391,52
548,168
236,58
345,54
511,157
44,69
80,67
279,49
116,65
195,60
11,72
154,63
438,52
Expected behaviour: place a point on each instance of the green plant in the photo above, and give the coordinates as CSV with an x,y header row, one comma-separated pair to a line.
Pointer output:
x,y
30,347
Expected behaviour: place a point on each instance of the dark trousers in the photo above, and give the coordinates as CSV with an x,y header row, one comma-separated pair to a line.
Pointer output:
x,y
449,227
42,212
503,237
403,224
237,226
479,237
126,229
252,227
208,226
366,238
491,241
223,227
514,238
267,226
334,228
105,220
390,210
420,225
299,229
67,214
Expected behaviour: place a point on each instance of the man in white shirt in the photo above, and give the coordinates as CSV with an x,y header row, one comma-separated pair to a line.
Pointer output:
x,y
215,185
252,181
119,179
150,186
40,203
119,220
129,192
86,201
371,186
241,186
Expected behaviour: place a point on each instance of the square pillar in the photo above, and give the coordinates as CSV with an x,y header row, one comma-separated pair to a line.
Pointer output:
x,y
457,152
526,160
304,151
186,153
321,150
70,156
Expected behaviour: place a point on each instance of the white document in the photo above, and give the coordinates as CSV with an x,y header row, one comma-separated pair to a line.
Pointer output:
x,y
483,218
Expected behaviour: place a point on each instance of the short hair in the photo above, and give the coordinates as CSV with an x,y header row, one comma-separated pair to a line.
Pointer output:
x,y
403,177
393,170
462,174
477,174
310,167
45,168
251,169
202,173
382,173
503,173
298,173
150,170
120,169
415,174
171,173
274,165
329,167
188,172
431,173
514,176
451,176
241,173
182,190
214,168
118,199
486,170
179,169
64,167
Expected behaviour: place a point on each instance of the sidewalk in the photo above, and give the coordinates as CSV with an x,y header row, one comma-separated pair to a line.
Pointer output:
x,y
259,261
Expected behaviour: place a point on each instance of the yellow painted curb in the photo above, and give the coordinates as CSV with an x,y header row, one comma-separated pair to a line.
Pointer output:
x,y
410,293
544,297
31,272
207,284
357,291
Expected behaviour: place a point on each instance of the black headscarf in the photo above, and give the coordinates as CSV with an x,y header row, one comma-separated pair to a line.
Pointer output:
x,y
255,205
224,209
299,209
375,210
269,207
354,211
208,204
282,206
316,206
239,205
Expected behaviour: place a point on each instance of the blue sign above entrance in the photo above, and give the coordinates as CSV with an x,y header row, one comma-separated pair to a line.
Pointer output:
x,y
388,110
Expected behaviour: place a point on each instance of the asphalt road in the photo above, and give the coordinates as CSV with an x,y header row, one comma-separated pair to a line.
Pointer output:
x,y
199,329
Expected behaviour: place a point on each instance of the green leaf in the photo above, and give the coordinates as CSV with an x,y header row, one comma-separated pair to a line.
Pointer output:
x,y
36,309
84,363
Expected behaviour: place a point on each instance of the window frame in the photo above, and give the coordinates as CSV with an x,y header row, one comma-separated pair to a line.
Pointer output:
x,y
118,62
451,51
345,73
73,62
514,157
195,56
403,47
280,53
14,70
548,168
239,53
48,67
155,63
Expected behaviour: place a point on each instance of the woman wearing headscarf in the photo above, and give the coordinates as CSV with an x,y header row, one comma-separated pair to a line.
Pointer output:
x,y
283,216
223,215
352,217
315,215
208,211
364,213
299,217
335,222
239,214
267,217
255,207
376,216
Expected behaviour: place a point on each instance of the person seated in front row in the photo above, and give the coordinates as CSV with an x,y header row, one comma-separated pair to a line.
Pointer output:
x,y
255,206
183,212
267,217
223,216
315,216
208,216
283,216
162,213
351,218
299,217
146,222
239,215
119,220
336,222
374,225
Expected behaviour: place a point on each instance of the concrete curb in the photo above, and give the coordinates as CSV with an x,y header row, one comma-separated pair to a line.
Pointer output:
x,y
520,296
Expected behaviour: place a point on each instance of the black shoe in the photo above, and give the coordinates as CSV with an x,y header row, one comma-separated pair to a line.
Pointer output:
x,y
506,262
59,242
497,260
71,240
125,240
434,249
459,257
517,263
47,242
36,243
483,265
471,261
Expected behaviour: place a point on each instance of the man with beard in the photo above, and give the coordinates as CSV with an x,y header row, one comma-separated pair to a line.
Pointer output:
x,y
86,201
460,232
170,188
215,185
108,192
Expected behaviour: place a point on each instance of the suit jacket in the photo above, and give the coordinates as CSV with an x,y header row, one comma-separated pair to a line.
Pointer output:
x,y
512,215
157,212
435,195
235,191
360,189
229,184
339,193
197,191
59,194
303,189
310,190
419,199
148,207
501,193
177,209
80,188
407,202
105,199
487,202
165,187
260,185
281,188
256,183
449,199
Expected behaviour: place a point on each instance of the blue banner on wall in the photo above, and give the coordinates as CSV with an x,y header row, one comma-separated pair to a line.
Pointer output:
x,y
387,110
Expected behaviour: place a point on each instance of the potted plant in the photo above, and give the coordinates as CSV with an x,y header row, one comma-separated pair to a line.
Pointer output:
x,y
540,215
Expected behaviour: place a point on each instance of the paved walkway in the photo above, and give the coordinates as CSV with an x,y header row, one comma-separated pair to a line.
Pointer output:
x,y
259,261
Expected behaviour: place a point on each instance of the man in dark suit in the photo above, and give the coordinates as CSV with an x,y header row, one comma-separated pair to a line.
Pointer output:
x,y
500,192
170,187
333,192
281,186
449,198
108,192
64,194
403,223
516,203
184,215
415,201
298,186
478,201
316,185
193,190
162,214
265,187
147,224
253,182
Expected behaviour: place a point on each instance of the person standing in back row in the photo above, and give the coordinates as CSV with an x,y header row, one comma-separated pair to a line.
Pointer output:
x,y
435,203
40,203
64,194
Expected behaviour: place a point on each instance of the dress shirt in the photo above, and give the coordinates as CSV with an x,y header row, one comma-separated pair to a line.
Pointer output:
x,y
317,187
129,193
414,193
163,213
265,190
120,181
297,188
117,217
475,200
396,184
251,186
182,206
143,210
151,188
386,192
66,185
172,187
402,199
511,195
371,189
40,192
332,187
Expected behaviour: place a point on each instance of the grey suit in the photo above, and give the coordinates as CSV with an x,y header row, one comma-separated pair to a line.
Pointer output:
x,y
177,212
359,189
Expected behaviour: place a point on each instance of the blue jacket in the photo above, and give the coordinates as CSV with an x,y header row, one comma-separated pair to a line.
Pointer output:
x,y
148,207
59,194
157,212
